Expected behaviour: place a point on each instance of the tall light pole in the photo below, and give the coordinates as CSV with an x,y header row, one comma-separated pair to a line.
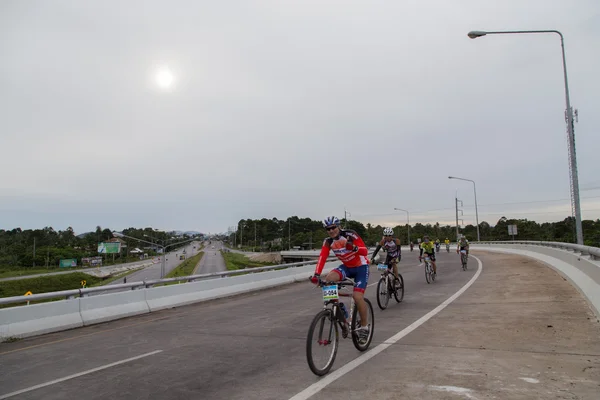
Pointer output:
x,y
162,267
407,223
474,191
575,205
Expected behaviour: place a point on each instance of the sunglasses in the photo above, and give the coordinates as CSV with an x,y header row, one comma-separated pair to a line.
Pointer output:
x,y
330,228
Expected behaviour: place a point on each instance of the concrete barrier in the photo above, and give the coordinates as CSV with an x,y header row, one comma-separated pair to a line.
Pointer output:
x,y
111,306
581,272
37,319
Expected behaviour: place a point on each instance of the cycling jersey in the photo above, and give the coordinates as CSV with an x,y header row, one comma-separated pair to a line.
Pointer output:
x,y
349,258
463,245
427,248
391,247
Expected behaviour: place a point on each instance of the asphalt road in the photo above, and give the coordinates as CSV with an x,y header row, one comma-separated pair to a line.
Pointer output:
x,y
493,341
212,261
153,271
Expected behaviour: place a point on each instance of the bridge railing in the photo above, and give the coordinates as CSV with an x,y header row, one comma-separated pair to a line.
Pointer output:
x,y
593,252
84,292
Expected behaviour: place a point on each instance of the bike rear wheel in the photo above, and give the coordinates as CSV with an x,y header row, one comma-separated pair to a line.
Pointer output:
x,y
427,273
383,293
399,292
326,329
356,323
464,261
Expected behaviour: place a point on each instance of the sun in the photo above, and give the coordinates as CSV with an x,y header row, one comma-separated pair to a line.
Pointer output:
x,y
164,78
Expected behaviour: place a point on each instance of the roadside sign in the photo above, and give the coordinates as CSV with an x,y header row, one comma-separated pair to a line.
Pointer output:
x,y
28,294
83,283
512,229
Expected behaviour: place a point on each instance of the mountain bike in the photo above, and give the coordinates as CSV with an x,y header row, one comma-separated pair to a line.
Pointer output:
x,y
387,285
429,275
448,248
463,259
330,320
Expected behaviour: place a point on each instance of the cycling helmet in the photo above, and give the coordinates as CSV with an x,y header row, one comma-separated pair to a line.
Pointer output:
x,y
388,232
329,221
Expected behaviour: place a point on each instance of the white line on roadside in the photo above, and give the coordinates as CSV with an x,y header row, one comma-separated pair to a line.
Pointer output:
x,y
89,371
321,384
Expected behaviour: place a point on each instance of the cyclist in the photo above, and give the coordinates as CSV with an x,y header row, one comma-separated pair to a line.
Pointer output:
x,y
437,245
429,249
351,250
447,242
392,246
463,244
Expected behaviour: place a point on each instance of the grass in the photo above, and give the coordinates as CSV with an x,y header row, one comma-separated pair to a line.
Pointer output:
x,y
186,268
235,261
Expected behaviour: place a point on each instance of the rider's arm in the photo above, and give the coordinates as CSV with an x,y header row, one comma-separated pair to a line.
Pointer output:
x,y
322,257
399,245
376,250
362,247
420,251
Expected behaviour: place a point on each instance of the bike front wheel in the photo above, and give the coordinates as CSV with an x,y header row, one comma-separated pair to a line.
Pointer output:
x,y
326,340
362,345
383,294
428,273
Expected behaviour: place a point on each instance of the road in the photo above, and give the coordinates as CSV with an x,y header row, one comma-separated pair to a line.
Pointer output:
x,y
69,271
212,260
517,331
153,271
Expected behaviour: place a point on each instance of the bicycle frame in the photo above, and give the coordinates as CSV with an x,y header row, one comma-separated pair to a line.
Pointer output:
x,y
344,322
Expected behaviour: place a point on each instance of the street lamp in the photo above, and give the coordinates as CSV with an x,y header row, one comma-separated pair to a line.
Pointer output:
x,y
474,191
407,223
164,248
575,206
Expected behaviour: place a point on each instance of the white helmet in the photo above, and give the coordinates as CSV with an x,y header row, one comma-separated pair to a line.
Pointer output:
x,y
388,232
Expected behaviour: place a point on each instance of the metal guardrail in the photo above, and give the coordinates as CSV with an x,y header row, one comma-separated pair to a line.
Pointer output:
x,y
71,294
593,252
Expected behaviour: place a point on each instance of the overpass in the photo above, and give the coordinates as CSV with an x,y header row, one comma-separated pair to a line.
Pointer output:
x,y
521,322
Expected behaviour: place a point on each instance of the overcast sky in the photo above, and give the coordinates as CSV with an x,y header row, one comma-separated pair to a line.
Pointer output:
x,y
282,108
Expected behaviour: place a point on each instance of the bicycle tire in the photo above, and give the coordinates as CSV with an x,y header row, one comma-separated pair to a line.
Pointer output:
x,y
427,274
380,285
325,314
400,289
355,316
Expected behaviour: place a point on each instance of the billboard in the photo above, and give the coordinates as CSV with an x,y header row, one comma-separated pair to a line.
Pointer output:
x,y
67,262
512,230
109,248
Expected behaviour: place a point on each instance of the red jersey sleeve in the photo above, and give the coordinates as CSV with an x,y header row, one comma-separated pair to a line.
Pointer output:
x,y
322,257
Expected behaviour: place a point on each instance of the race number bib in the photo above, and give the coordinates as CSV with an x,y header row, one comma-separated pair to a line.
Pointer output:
x,y
330,293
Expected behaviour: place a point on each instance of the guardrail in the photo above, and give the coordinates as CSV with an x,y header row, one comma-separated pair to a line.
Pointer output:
x,y
593,252
70,294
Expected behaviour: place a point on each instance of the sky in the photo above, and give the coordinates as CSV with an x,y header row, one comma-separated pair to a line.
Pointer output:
x,y
279,108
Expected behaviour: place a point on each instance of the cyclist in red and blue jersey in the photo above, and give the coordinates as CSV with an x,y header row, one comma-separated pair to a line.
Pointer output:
x,y
351,250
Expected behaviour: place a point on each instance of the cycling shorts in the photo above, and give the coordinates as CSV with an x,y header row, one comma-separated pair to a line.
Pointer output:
x,y
392,260
359,274
431,255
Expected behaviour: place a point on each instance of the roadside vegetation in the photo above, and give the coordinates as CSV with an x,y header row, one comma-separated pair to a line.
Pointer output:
x,y
235,261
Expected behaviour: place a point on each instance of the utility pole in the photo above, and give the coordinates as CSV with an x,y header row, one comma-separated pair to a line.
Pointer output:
x,y
34,251
254,237
289,234
456,204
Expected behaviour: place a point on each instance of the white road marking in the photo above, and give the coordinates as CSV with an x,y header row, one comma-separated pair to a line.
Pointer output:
x,y
530,380
89,371
325,381
455,389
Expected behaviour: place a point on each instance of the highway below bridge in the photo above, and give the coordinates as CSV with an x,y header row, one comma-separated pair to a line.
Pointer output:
x,y
507,328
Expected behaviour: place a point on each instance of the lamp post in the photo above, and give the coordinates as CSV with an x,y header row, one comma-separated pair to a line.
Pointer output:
x,y
407,223
575,204
475,192
164,248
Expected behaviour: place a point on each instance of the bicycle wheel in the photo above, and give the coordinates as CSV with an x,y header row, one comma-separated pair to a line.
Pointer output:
x,y
431,274
464,261
356,324
383,293
399,292
327,338
427,273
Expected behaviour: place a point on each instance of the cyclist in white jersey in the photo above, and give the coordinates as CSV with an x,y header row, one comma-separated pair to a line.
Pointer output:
x,y
392,246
